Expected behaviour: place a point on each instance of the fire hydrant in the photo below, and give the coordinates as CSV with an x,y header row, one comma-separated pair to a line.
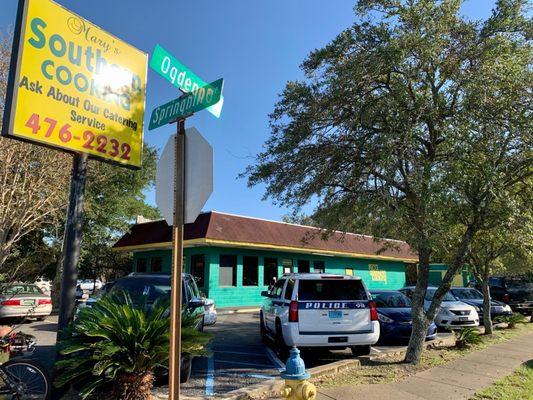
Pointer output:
x,y
297,386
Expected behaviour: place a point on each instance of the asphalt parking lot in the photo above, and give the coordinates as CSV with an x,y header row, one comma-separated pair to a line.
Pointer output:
x,y
238,356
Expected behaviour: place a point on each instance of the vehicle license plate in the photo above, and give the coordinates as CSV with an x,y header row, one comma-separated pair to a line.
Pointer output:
x,y
463,318
335,314
27,302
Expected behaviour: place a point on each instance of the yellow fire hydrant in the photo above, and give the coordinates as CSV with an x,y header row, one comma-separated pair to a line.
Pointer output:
x,y
297,386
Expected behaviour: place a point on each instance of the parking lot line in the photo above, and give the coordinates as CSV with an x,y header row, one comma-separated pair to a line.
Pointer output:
x,y
275,360
244,363
210,378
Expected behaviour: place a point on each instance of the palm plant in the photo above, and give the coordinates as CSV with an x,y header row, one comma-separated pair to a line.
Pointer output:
x,y
467,337
114,347
511,320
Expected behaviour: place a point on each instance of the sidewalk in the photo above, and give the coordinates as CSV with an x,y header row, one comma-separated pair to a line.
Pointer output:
x,y
458,379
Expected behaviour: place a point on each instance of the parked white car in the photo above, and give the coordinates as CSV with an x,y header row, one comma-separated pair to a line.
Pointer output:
x,y
452,314
90,284
320,310
24,300
44,284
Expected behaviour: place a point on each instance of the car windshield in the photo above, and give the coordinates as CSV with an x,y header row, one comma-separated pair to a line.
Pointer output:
x,y
331,289
20,289
153,288
431,292
519,284
391,300
467,294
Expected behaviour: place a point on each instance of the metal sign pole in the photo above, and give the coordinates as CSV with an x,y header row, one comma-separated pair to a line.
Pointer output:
x,y
177,264
72,241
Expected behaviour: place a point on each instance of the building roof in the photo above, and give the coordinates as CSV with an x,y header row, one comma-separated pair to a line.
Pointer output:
x,y
219,229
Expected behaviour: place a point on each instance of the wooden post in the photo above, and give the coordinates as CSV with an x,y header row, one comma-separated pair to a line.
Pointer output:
x,y
72,241
177,264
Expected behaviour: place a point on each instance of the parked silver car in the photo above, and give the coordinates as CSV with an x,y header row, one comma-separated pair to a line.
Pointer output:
x,y
210,313
24,300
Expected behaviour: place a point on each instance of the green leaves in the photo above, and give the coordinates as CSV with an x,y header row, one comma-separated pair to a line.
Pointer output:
x,y
415,123
467,337
116,337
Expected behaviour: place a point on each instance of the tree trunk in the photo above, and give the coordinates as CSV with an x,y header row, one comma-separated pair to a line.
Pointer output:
x,y
487,320
420,322
56,283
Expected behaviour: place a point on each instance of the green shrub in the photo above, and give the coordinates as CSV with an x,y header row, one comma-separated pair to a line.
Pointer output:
x,y
511,320
467,337
114,347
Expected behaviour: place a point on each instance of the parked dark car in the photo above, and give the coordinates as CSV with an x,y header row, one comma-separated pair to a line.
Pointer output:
x,y
152,287
394,315
517,291
474,297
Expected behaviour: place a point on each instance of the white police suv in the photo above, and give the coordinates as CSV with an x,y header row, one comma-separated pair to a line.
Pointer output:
x,y
320,310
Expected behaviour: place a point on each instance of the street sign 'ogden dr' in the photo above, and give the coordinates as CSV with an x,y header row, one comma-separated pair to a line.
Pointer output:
x,y
76,87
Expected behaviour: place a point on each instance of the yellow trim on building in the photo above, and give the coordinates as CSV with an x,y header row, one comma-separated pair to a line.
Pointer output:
x,y
262,246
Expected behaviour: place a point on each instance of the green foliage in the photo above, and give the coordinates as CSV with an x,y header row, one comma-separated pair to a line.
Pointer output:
x,y
115,196
467,337
511,320
414,123
116,341
515,386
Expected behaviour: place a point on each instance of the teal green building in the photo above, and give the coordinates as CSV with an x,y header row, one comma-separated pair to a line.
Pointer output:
x,y
234,258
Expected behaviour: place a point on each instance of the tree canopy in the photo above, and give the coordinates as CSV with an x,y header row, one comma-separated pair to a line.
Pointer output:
x,y
414,123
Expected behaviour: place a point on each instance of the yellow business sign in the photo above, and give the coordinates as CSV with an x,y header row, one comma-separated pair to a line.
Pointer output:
x,y
376,274
75,86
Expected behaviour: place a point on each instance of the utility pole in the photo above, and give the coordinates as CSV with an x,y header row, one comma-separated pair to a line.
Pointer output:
x,y
72,241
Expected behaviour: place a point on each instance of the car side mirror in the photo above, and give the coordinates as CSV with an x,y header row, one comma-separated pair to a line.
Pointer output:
x,y
265,293
195,303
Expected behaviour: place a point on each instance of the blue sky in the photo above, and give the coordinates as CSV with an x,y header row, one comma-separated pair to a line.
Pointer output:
x,y
256,46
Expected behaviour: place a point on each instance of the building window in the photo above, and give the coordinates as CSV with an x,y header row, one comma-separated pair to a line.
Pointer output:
x,y
303,266
156,264
141,265
198,268
250,273
271,271
318,267
348,271
227,270
287,265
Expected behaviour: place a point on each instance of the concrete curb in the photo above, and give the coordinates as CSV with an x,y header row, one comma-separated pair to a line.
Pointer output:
x,y
448,341
270,386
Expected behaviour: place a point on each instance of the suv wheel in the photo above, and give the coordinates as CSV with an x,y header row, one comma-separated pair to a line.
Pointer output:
x,y
360,350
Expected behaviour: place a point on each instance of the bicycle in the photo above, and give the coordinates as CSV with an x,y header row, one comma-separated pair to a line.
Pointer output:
x,y
23,379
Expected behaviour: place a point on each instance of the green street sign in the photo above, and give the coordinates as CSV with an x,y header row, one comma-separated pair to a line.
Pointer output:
x,y
188,104
166,65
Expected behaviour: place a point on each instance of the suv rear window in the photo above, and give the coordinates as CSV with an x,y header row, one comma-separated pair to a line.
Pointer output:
x,y
324,289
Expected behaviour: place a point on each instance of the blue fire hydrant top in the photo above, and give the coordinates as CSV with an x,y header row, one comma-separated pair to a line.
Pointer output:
x,y
295,367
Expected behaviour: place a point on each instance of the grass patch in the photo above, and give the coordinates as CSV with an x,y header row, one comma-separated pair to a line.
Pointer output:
x,y
393,369
518,385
